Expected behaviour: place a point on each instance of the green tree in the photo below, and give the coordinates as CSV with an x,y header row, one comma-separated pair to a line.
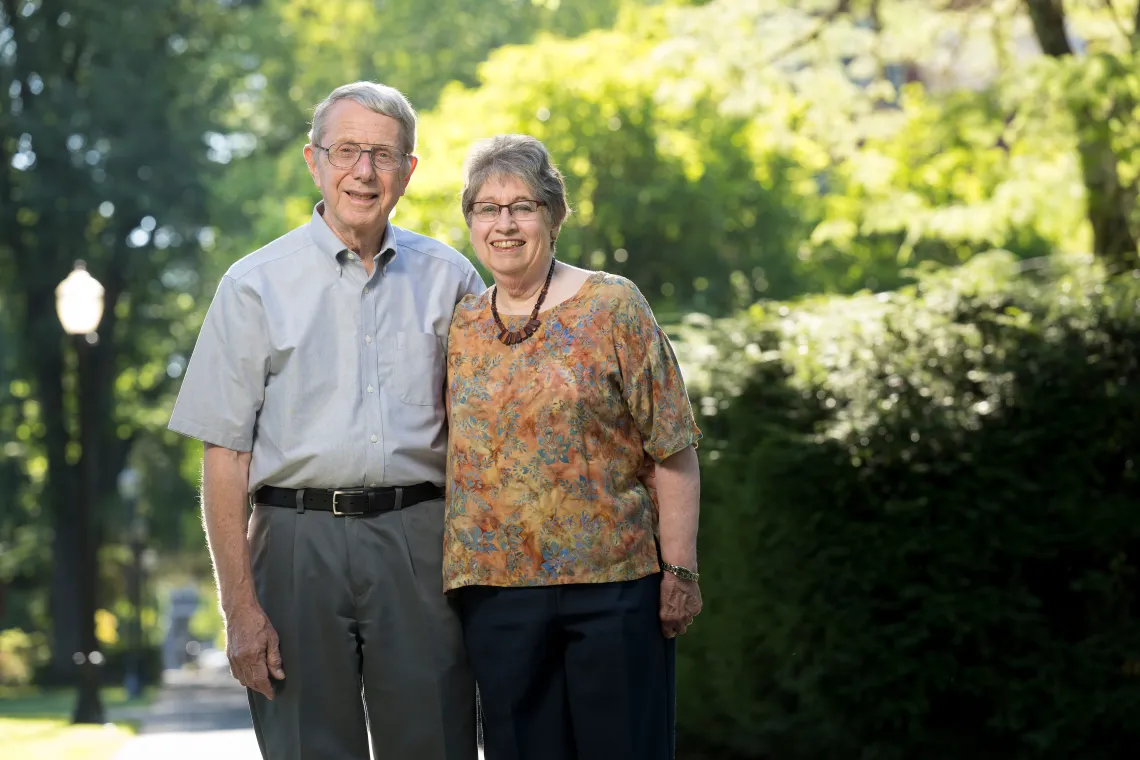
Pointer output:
x,y
1102,94
294,52
101,159
665,189
936,130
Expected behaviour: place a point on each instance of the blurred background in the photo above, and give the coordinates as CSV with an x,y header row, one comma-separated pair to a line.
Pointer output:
x,y
894,241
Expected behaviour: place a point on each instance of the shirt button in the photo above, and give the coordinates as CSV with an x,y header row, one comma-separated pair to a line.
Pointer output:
x,y
366,291
374,439
370,389
367,338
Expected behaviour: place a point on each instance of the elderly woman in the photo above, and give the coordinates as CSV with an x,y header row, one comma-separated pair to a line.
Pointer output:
x,y
571,582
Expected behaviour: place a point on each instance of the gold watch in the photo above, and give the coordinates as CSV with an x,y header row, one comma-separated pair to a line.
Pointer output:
x,y
683,573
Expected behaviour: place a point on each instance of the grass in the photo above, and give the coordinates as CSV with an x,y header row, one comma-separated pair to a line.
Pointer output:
x,y
55,739
36,725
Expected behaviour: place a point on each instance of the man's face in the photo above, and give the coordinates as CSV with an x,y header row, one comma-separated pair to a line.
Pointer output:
x,y
359,199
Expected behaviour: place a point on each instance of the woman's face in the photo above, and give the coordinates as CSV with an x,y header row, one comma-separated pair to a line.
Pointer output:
x,y
510,247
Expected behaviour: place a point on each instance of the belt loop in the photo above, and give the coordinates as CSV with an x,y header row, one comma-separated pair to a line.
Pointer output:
x,y
399,499
300,501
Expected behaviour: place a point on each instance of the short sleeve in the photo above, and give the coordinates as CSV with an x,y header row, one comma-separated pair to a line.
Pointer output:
x,y
473,285
652,386
224,385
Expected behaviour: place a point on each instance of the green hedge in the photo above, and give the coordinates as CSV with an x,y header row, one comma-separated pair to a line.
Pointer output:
x,y
920,529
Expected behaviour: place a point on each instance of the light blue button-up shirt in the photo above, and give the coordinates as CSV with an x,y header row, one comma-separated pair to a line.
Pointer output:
x,y
331,377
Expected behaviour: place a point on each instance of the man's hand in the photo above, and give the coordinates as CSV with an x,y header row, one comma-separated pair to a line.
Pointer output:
x,y
680,603
251,645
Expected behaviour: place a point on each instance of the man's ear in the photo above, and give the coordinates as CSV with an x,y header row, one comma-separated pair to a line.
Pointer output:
x,y
311,162
413,162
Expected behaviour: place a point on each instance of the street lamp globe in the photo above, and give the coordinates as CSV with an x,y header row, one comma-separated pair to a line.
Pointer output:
x,y
79,301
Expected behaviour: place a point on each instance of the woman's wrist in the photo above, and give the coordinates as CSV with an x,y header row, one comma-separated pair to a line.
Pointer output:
x,y
681,571
682,551
680,558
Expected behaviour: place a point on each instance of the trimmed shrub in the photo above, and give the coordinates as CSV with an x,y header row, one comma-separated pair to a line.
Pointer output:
x,y
920,530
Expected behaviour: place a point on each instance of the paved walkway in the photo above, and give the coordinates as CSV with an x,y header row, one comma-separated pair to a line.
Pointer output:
x,y
195,716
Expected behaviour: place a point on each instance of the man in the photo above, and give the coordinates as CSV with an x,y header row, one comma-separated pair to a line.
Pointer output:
x,y
317,387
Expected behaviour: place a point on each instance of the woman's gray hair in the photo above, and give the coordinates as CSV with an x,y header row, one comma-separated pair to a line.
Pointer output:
x,y
384,100
520,156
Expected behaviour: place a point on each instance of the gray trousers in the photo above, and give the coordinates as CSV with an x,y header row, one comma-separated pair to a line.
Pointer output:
x,y
369,642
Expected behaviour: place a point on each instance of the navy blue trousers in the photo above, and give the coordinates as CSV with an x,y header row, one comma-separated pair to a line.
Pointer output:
x,y
572,672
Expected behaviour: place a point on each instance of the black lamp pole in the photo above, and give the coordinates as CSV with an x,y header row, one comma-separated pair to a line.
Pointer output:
x,y
79,304
88,706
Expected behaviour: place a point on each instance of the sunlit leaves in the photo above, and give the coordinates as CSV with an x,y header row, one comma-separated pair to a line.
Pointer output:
x,y
673,186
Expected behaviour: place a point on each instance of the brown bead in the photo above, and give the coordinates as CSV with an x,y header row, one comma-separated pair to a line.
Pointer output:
x,y
511,337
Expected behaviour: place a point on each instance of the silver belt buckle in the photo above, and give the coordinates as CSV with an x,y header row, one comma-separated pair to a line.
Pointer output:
x,y
350,491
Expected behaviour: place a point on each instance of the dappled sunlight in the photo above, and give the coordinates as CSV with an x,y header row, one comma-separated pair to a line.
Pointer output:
x,y
894,244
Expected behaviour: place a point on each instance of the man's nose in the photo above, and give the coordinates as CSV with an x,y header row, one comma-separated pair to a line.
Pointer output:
x,y
363,168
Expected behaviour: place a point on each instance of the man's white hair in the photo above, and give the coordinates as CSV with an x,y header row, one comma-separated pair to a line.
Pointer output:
x,y
384,100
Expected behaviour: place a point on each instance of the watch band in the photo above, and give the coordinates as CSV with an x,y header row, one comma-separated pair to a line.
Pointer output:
x,y
683,573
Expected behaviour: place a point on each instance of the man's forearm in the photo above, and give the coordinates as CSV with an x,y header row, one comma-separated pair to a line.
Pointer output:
x,y
225,482
679,505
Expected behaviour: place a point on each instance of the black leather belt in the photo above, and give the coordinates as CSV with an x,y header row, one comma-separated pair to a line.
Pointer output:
x,y
347,501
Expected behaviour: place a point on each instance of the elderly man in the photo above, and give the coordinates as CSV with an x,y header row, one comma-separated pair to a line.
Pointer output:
x,y
317,387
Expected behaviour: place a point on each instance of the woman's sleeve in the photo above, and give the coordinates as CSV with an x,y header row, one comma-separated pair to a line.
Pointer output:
x,y
652,386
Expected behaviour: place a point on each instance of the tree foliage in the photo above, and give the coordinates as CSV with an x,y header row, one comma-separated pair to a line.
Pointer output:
x,y
665,193
102,117
295,52
799,146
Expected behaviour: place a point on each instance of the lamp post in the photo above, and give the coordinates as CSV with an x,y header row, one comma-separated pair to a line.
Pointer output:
x,y
79,304
137,531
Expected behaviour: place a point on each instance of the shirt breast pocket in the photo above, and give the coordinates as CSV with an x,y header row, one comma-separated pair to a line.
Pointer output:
x,y
418,369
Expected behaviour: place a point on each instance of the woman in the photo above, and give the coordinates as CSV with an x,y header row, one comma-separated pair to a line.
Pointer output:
x,y
560,381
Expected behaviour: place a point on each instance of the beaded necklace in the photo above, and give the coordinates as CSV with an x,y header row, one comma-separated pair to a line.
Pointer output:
x,y
511,337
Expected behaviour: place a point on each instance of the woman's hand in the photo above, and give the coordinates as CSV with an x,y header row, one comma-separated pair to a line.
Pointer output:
x,y
680,603
647,474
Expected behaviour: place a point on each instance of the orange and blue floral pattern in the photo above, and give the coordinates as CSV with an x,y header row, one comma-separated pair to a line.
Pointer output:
x,y
547,436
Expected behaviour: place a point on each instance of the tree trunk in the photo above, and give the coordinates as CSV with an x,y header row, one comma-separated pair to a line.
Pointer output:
x,y
44,354
1108,205
1109,202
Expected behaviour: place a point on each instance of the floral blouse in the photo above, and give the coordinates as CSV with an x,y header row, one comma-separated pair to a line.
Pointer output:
x,y
547,436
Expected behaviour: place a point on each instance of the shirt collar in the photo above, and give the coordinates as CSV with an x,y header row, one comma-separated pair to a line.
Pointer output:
x,y
333,247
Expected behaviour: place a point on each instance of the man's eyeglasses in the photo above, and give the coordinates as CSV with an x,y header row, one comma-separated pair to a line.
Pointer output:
x,y
345,155
485,211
